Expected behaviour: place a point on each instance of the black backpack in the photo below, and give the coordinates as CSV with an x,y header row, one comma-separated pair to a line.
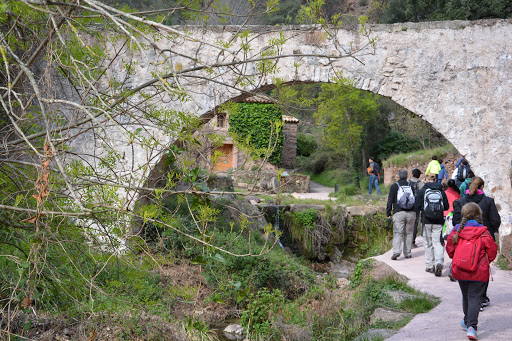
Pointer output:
x,y
433,207
462,172
414,187
376,168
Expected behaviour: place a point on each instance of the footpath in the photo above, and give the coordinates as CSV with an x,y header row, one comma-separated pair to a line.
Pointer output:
x,y
443,322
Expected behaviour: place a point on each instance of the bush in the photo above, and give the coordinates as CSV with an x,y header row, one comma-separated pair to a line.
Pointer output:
x,y
306,144
321,161
263,306
394,143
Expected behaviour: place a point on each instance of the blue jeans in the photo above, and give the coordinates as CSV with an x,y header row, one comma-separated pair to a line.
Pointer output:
x,y
374,181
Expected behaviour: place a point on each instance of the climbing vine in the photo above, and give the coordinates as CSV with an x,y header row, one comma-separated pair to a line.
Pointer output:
x,y
259,126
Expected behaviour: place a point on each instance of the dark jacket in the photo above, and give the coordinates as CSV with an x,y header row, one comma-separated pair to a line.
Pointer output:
x,y
490,216
473,230
418,205
392,202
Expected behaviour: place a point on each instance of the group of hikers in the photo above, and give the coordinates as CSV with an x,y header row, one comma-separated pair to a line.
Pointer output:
x,y
452,212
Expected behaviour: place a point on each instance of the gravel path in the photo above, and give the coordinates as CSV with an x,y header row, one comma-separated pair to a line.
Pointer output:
x,y
316,191
443,322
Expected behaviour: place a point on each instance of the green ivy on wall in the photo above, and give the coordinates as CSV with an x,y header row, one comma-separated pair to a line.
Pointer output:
x,y
254,125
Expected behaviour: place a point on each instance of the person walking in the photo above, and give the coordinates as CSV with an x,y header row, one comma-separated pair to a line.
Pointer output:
x,y
416,185
443,174
434,166
374,171
490,216
401,204
472,248
432,202
452,193
464,186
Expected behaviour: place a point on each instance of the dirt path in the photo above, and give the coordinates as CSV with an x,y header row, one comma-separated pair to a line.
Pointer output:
x,y
316,191
443,322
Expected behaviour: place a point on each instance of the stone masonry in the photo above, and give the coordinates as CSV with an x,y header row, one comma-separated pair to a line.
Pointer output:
x,y
456,75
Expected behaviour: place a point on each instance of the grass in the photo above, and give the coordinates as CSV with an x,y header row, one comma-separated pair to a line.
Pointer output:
x,y
332,177
502,262
419,156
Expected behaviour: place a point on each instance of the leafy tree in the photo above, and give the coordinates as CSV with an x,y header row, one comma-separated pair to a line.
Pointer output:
x,y
88,156
344,113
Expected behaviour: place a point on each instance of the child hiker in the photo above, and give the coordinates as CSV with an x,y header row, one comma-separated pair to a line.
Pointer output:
x,y
472,249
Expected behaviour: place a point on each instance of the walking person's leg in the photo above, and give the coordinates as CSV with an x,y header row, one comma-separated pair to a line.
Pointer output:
x,y
370,183
398,232
475,291
438,249
415,232
409,229
377,184
429,249
464,291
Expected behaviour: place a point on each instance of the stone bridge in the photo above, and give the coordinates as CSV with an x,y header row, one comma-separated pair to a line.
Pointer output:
x,y
456,75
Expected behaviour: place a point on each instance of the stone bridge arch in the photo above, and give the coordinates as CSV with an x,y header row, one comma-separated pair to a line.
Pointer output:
x,y
456,75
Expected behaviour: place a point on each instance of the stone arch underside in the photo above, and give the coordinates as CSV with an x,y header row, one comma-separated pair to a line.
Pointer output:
x,y
455,75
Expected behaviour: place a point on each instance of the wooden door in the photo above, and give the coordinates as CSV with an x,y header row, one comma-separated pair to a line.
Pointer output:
x,y
225,161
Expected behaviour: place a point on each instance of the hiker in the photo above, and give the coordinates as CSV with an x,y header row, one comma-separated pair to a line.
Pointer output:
x,y
470,238
432,202
452,193
490,216
401,202
434,166
374,171
464,186
463,170
443,174
416,185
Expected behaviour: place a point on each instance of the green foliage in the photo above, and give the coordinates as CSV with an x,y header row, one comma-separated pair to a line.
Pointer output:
x,y
433,10
395,143
258,126
307,218
263,306
361,268
350,190
419,156
306,144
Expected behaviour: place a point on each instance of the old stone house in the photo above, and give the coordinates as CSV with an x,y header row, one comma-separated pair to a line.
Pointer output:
x,y
224,157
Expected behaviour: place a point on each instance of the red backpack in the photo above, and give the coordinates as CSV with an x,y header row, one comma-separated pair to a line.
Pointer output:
x,y
467,253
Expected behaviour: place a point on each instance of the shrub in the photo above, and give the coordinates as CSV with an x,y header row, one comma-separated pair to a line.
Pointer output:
x,y
394,143
306,144
257,318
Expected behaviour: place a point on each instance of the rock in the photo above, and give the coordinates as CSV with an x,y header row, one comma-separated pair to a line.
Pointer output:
x,y
381,271
234,332
234,329
66,331
302,207
388,315
342,283
506,249
253,198
342,269
375,334
399,296
364,210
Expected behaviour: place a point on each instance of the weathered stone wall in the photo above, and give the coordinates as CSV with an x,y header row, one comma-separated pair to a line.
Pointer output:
x,y
267,181
456,75
289,154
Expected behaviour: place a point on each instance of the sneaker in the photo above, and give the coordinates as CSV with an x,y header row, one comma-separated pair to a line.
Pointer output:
x,y
431,270
463,325
409,256
486,301
472,333
482,307
439,270
414,246
395,256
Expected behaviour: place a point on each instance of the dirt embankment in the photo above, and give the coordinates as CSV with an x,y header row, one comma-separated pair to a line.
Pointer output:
x,y
391,172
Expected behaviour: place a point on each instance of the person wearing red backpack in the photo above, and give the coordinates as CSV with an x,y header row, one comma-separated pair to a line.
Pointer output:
x,y
472,249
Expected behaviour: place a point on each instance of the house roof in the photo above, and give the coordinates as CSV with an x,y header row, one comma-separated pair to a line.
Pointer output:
x,y
259,98
290,119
